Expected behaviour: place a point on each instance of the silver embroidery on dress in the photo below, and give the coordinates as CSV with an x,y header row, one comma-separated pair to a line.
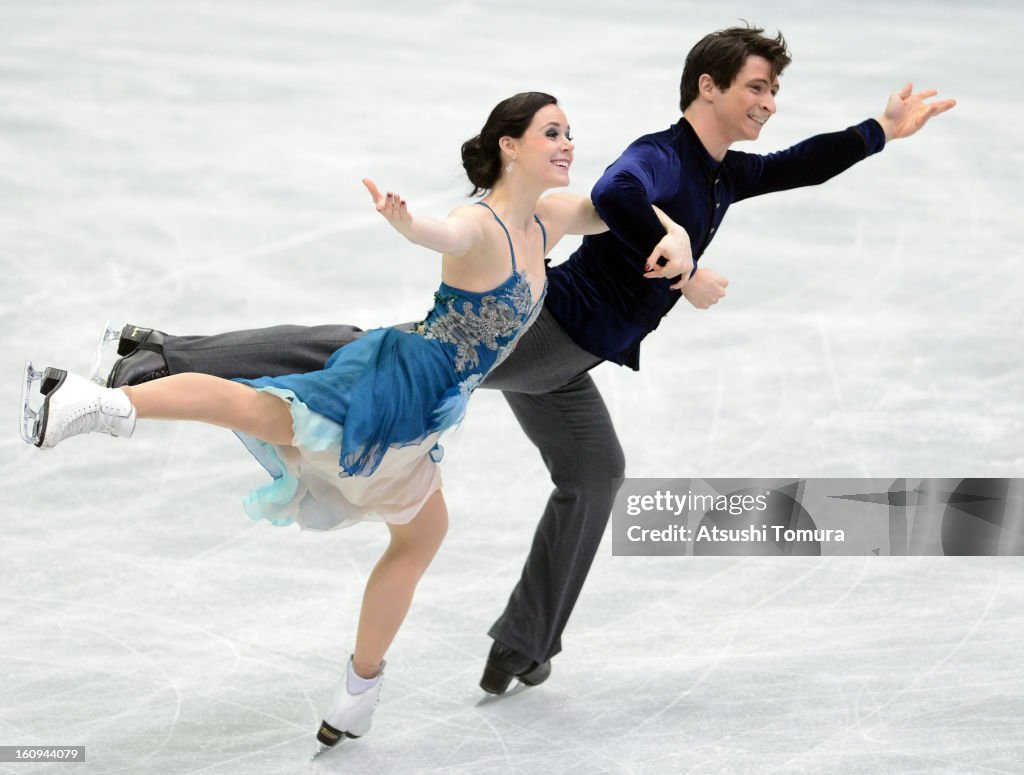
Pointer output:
x,y
469,330
530,318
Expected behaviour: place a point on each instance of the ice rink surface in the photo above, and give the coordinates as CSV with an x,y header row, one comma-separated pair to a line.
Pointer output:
x,y
196,167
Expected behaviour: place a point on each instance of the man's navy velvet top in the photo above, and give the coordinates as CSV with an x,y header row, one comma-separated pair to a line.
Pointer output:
x,y
600,296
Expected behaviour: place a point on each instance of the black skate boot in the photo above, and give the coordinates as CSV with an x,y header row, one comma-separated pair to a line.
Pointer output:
x,y
505,664
142,357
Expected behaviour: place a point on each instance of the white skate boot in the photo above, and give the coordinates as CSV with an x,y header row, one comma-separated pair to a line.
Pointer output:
x,y
72,405
350,714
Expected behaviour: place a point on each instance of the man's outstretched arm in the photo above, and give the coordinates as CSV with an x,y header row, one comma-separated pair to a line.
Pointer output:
x,y
822,157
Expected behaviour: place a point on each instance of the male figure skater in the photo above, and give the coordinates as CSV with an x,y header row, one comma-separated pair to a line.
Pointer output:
x,y
601,303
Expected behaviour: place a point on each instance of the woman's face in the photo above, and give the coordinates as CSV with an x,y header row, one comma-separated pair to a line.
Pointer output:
x,y
545,150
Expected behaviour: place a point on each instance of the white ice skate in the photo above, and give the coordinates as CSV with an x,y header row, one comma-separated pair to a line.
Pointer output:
x,y
72,405
349,714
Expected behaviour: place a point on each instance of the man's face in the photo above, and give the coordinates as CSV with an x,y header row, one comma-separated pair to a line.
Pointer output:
x,y
743,108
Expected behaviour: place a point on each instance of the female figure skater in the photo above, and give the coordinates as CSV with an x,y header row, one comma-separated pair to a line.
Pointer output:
x,y
358,439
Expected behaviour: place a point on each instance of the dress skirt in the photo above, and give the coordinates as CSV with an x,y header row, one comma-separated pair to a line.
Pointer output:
x,y
366,430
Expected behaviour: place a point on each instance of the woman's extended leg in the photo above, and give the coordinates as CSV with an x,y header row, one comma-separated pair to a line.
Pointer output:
x,y
390,587
73,405
215,401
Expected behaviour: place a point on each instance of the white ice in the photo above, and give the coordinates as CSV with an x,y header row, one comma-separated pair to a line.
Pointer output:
x,y
196,167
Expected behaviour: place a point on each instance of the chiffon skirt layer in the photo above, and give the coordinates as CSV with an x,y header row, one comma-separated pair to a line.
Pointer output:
x,y
366,430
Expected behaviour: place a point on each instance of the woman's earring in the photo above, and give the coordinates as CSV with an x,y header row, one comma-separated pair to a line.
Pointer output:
x,y
508,167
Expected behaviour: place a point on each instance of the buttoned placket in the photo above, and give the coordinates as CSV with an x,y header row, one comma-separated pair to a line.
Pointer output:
x,y
716,202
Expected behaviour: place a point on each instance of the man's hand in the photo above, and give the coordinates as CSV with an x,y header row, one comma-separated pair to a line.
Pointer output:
x,y
705,288
905,113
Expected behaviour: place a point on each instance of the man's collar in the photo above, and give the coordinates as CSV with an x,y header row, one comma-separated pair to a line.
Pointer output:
x,y
687,136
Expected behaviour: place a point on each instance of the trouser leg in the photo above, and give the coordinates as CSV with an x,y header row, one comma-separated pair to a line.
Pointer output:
x,y
573,431
259,352
545,381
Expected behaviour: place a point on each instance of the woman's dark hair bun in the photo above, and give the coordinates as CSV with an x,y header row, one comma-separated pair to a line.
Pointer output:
x,y
481,156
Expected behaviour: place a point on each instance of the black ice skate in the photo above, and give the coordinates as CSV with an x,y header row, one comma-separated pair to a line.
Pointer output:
x,y
505,665
140,357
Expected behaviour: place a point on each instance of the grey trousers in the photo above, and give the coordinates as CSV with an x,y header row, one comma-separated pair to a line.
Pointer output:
x,y
556,402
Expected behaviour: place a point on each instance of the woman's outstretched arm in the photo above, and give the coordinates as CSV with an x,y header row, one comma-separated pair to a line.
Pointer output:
x,y
456,235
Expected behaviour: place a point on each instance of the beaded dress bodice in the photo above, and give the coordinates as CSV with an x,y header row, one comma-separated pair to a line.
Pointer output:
x,y
481,328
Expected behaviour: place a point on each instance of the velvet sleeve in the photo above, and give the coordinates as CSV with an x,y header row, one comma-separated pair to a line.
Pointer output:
x,y
646,173
807,163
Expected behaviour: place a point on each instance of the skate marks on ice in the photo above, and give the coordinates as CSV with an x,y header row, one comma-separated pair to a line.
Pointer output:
x,y
155,158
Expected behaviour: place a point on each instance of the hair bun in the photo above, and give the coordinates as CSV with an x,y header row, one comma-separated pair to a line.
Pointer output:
x,y
481,157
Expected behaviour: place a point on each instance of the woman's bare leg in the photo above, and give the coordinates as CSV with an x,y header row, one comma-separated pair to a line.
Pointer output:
x,y
215,401
390,587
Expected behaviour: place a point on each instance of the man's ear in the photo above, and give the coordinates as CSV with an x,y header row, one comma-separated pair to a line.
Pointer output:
x,y
706,86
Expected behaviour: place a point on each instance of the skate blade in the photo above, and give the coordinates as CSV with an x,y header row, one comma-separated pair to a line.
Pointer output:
x,y
322,750
33,421
331,732
517,688
98,373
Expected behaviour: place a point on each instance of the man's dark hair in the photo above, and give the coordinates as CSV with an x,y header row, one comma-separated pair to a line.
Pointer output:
x,y
722,55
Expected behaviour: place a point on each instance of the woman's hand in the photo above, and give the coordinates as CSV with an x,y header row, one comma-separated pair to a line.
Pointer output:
x,y
392,207
673,255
